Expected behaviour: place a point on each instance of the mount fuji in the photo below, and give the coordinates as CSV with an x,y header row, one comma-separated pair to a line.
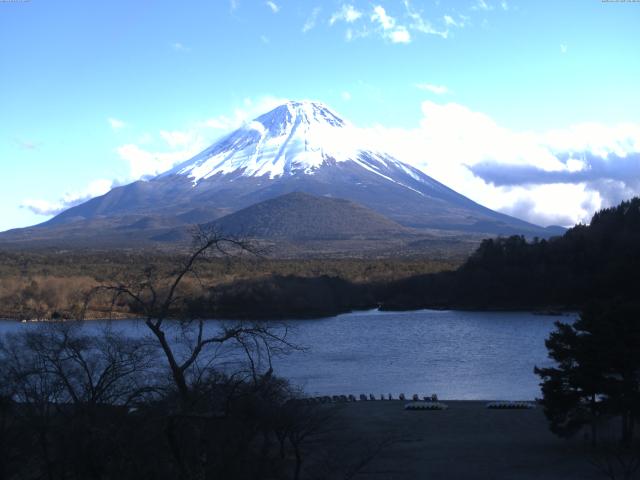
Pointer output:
x,y
296,147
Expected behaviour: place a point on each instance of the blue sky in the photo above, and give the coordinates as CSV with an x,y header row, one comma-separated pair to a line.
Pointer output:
x,y
96,94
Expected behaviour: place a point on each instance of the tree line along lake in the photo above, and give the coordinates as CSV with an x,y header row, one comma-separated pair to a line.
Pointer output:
x,y
462,355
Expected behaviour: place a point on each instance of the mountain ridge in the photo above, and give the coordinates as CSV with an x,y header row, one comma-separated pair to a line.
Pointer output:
x,y
296,147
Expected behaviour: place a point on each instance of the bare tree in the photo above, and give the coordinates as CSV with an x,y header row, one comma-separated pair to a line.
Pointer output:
x,y
617,462
298,423
158,299
613,458
8,444
67,385
92,369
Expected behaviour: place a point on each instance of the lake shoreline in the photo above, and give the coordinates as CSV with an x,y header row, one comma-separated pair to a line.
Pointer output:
x,y
549,311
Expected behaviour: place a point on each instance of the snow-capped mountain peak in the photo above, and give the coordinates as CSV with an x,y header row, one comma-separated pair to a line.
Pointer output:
x,y
295,137
296,147
286,116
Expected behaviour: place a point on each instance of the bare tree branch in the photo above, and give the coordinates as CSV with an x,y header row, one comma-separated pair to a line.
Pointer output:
x,y
158,299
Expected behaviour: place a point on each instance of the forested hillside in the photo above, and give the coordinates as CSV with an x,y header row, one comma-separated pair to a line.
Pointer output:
x,y
598,261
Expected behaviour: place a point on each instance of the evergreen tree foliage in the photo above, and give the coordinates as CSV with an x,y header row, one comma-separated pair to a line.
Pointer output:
x,y
600,261
597,372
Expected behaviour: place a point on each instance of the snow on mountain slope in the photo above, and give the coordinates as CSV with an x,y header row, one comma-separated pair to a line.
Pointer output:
x,y
306,146
296,137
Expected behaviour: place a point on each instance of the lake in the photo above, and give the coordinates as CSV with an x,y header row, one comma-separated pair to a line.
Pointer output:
x,y
454,354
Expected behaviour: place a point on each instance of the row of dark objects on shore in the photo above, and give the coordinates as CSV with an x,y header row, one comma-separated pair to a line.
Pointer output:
x,y
498,405
511,405
363,398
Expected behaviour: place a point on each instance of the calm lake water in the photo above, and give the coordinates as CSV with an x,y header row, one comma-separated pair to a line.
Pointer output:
x,y
457,355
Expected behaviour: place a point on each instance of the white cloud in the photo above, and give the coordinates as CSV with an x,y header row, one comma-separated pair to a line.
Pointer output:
x,y
44,207
400,35
250,110
463,149
380,15
177,138
347,13
419,24
221,122
183,144
273,6
403,26
482,5
116,124
362,32
27,144
145,138
563,48
346,96
396,29
601,140
389,26
179,47
144,163
449,21
558,204
264,39
234,4
257,126
436,89
225,122
311,21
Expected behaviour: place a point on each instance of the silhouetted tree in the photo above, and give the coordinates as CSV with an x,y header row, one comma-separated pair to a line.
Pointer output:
x,y
571,390
158,299
67,391
597,372
192,431
9,430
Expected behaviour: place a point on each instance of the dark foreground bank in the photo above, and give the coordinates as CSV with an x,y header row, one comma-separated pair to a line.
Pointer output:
x,y
465,441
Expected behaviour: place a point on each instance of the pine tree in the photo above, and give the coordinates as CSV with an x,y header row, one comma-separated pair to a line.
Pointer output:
x,y
597,371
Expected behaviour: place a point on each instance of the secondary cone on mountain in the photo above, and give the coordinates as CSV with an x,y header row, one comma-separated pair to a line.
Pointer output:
x,y
300,216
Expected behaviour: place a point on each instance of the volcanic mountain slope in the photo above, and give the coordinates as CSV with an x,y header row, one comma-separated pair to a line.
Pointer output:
x,y
296,147
300,216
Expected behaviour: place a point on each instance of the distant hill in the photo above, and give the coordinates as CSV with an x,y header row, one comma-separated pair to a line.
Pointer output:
x,y
300,216
598,262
